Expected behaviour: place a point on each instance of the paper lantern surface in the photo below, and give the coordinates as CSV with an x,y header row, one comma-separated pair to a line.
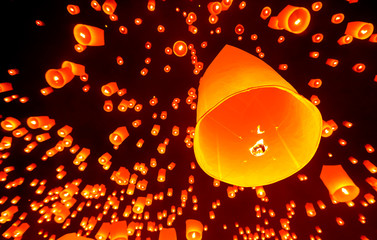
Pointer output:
x,y
253,128
340,185
73,236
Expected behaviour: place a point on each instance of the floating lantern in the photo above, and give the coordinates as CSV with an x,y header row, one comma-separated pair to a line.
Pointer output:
x,y
58,78
291,18
359,30
240,145
109,7
194,229
10,123
338,183
139,205
119,135
37,122
180,48
88,35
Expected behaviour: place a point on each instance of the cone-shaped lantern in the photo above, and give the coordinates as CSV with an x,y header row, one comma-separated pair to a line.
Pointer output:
x,y
340,185
253,128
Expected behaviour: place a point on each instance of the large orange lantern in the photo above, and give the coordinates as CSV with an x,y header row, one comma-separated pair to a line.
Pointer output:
x,y
253,128
119,135
194,229
57,78
340,185
359,30
291,18
89,35
167,234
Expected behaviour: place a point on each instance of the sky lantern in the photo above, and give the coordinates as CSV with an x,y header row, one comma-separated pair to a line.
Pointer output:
x,y
58,78
338,183
167,234
76,69
359,30
10,123
109,7
180,48
119,135
241,144
37,121
291,18
194,229
89,35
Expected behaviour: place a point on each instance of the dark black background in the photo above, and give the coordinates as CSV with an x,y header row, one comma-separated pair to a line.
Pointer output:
x,y
344,95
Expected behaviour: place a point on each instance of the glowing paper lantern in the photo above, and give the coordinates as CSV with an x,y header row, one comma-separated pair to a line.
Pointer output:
x,y
57,78
76,69
338,183
291,18
89,35
180,48
167,234
109,7
359,30
10,123
264,141
119,135
194,229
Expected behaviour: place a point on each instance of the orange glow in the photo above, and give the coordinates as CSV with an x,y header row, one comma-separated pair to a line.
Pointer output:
x,y
291,18
338,183
118,136
233,135
337,18
109,7
73,9
180,48
88,35
359,30
265,13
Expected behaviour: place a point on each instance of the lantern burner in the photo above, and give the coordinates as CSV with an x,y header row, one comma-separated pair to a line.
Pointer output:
x,y
259,149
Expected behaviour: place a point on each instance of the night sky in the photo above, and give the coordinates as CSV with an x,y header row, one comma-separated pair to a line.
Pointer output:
x,y
345,95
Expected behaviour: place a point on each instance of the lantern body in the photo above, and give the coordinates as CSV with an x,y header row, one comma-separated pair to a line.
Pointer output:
x,y
359,30
76,69
88,35
194,229
118,230
168,234
291,18
119,135
57,78
253,128
340,185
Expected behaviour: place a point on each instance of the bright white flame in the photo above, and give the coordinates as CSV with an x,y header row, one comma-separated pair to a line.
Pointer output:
x,y
298,21
259,131
259,149
345,191
364,31
82,35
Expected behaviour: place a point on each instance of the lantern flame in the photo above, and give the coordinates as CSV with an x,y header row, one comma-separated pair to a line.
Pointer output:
x,y
259,149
